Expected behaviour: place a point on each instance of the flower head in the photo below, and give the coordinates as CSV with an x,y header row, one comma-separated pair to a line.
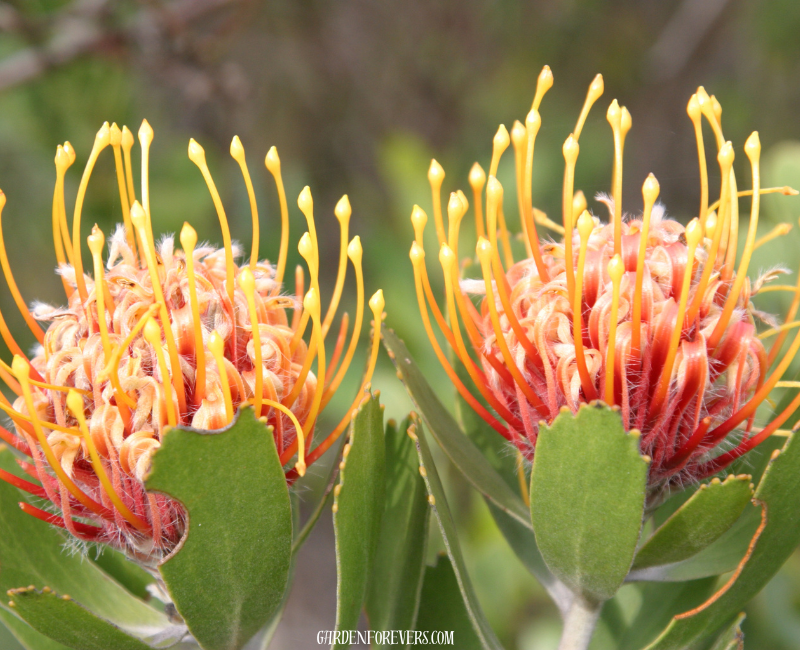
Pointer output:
x,y
158,336
650,316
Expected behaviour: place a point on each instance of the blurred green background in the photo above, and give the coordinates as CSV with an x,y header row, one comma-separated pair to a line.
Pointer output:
x,y
358,95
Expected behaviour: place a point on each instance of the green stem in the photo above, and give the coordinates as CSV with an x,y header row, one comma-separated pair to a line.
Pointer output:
x,y
579,623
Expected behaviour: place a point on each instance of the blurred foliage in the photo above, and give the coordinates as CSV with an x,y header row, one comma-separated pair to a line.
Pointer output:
x,y
358,96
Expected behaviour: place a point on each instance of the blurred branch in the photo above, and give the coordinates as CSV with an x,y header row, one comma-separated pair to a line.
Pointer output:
x,y
682,36
85,26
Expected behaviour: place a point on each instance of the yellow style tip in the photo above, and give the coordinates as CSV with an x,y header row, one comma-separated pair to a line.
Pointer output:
x,y
518,134
419,219
247,281
614,114
625,121
75,403
115,135
693,109
753,146
216,344
343,209
477,177
650,189
70,151
237,150
188,237
306,247
545,80
417,253
300,466
96,241
596,88
578,202
272,161
533,121
377,304
711,224
585,225
152,332
20,368
571,149
103,136
726,155
494,190
311,301
145,134
463,198
501,138
694,233
63,160
455,207
616,268
435,173
304,201
138,216
484,250
196,153
354,250
447,258
127,137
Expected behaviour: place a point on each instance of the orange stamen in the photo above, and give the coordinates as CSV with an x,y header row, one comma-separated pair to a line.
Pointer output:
x,y
237,153
616,269
519,137
75,405
650,190
12,285
273,164
543,83
436,178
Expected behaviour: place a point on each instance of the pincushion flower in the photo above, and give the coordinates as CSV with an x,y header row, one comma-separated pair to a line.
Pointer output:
x,y
158,336
648,315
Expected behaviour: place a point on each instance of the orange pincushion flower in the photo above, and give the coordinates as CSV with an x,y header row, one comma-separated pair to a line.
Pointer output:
x,y
643,313
158,337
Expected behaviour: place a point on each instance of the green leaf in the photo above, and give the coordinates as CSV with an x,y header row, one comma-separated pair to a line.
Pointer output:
x,y
503,458
711,511
732,637
357,511
129,575
659,603
394,591
15,634
587,498
447,526
229,574
778,536
442,609
459,449
69,623
32,553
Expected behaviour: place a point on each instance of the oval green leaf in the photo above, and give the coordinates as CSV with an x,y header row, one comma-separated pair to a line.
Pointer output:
x,y
587,499
228,576
394,591
357,511
699,522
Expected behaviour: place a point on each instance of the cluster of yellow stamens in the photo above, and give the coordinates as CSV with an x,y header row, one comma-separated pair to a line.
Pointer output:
x,y
158,337
648,315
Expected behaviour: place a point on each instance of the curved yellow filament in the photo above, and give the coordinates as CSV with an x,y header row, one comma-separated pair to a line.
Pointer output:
x,y
198,156
216,344
127,142
237,153
436,178
693,109
543,83
785,327
532,124
753,150
780,230
115,136
484,251
715,224
96,242
477,179
75,405
595,91
311,304
519,137
248,284
455,213
614,117
67,161
111,369
571,149
376,304
188,242
300,465
12,285
354,253
101,141
273,163
616,269
342,212
145,140
21,370
311,254
694,235
152,334
785,190
62,163
139,220
585,228
499,145
650,190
